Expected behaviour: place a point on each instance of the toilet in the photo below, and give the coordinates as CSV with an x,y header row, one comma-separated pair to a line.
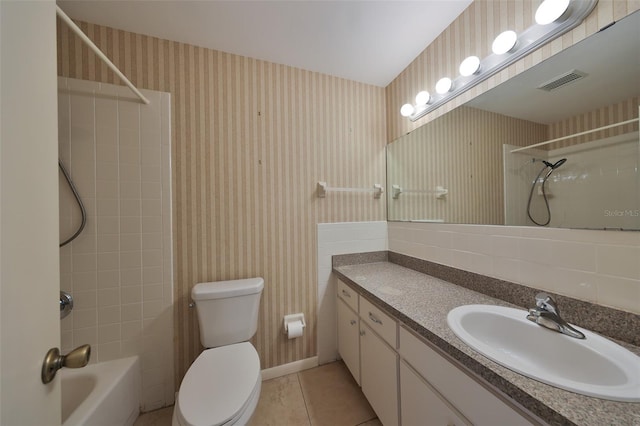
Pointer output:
x,y
222,386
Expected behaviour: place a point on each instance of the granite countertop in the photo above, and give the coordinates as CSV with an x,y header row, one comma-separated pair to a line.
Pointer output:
x,y
422,303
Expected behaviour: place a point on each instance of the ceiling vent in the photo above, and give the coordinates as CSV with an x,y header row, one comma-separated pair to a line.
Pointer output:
x,y
562,80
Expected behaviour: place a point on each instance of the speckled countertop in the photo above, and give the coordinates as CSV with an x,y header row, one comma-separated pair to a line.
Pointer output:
x,y
422,303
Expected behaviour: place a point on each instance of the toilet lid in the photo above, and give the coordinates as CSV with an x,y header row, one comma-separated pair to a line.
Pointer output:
x,y
218,384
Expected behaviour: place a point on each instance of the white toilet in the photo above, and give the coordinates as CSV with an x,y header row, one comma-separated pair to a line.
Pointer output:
x,y
222,386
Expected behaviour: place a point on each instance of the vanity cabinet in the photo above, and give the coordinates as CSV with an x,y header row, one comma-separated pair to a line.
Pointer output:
x,y
371,359
404,379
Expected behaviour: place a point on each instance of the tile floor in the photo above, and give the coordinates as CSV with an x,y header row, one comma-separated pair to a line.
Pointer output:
x,y
321,396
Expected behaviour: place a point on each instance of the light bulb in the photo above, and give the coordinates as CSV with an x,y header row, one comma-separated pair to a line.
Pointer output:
x,y
423,98
444,85
407,110
550,10
470,66
504,42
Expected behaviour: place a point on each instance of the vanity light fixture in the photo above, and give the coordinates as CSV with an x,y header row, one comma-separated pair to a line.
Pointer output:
x,y
407,110
553,19
470,66
550,10
504,43
444,85
423,98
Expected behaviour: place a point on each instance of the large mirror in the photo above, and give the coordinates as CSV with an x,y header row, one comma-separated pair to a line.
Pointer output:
x,y
472,165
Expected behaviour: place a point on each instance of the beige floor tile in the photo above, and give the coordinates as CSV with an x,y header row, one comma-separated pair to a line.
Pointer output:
x,y
161,417
333,397
281,403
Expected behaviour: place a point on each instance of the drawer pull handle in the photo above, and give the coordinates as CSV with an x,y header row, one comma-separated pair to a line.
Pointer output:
x,y
352,322
374,319
346,293
362,333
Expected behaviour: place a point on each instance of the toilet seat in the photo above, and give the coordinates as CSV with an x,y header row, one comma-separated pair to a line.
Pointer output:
x,y
219,386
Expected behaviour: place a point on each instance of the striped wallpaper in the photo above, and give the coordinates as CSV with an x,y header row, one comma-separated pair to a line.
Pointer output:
x,y
250,139
610,114
472,33
461,151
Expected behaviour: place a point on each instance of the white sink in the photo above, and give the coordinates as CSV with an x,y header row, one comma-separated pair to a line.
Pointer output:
x,y
593,366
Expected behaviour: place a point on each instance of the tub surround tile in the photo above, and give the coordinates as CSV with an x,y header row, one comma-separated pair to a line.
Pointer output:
x,y
106,141
428,291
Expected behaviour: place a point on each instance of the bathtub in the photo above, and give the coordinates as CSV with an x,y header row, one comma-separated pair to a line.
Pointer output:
x,y
107,393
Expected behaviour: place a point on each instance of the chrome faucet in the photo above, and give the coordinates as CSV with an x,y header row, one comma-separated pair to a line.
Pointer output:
x,y
547,314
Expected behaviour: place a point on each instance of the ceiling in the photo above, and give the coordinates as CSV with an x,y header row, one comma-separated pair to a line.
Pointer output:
x,y
611,58
365,41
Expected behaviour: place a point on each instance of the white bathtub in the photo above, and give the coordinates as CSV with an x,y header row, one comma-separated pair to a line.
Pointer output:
x,y
107,393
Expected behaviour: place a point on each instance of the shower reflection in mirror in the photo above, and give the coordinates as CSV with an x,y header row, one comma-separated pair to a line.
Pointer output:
x,y
588,185
548,168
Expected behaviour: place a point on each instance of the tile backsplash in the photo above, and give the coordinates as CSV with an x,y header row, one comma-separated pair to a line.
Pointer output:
x,y
333,239
119,269
595,266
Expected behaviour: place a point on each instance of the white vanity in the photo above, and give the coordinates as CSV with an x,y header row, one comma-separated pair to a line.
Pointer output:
x,y
405,379
394,338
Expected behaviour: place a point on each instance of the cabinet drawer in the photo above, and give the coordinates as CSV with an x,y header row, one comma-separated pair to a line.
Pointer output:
x,y
455,385
347,294
379,322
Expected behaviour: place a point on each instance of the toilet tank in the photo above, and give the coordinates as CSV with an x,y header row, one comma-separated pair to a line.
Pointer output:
x,y
227,310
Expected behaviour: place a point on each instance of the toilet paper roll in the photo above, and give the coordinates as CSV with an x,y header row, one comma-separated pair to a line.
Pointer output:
x,y
295,329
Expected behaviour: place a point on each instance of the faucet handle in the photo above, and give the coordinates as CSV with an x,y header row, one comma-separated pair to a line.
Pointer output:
x,y
546,302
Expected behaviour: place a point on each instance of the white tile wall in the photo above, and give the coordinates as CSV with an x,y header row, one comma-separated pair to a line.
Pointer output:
x,y
597,266
119,269
340,238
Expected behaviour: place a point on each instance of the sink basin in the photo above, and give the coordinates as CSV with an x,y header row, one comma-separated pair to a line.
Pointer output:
x,y
593,366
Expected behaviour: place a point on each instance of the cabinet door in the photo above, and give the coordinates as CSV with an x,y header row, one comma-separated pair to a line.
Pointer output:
x,y
348,341
420,405
379,376
484,409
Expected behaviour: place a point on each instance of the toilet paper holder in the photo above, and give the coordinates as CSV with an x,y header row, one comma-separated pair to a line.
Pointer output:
x,y
288,319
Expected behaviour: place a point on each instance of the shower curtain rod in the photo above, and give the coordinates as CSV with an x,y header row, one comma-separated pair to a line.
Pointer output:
x,y
76,29
586,132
